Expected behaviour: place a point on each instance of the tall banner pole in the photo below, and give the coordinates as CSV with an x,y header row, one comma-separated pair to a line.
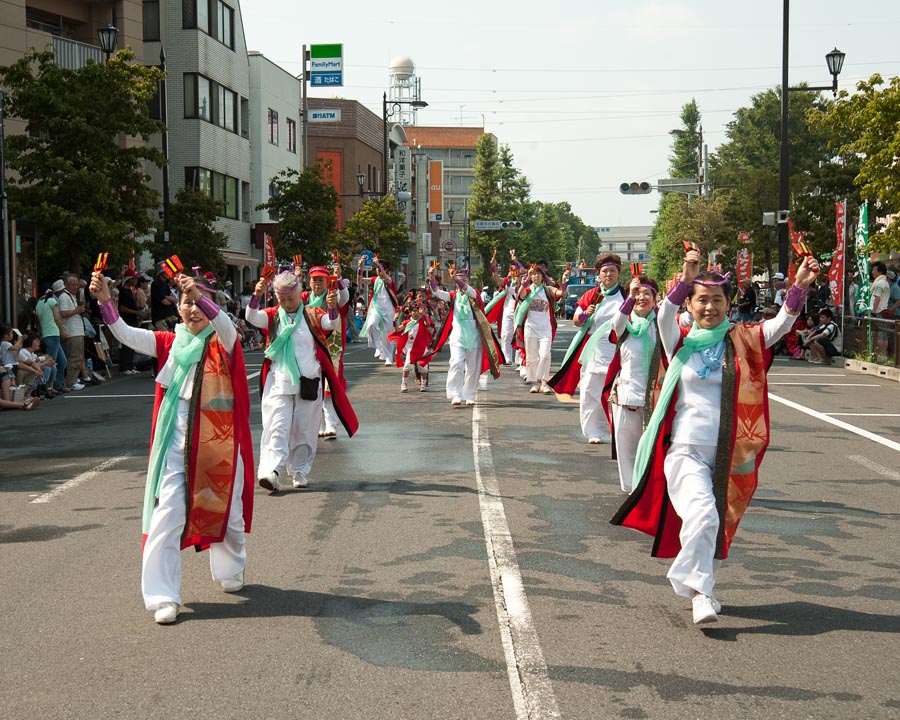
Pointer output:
x,y
863,298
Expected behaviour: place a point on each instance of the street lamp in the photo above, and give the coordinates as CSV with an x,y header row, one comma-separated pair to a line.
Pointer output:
x,y
388,110
360,180
107,37
450,213
835,62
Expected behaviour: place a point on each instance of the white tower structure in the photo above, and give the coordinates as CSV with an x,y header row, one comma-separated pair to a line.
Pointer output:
x,y
405,86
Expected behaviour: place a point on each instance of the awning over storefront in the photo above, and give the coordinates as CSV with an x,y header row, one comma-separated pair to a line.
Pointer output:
x,y
239,260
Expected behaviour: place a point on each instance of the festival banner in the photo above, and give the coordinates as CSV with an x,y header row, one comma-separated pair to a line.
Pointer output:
x,y
836,271
269,253
744,269
862,259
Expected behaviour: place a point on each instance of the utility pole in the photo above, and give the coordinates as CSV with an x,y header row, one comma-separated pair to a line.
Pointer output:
x,y
164,116
304,109
8,300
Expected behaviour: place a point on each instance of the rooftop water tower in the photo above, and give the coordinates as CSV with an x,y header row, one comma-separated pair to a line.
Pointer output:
x,y
405,86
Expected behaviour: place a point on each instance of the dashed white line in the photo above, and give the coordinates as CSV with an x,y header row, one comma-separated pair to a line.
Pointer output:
x,y
529,681
78,480
872,465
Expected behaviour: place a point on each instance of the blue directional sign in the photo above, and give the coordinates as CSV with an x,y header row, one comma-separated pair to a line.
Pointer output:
x,y
368,257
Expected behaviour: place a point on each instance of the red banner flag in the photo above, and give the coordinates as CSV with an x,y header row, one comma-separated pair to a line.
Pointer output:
x,y
836,271
744,265
269,255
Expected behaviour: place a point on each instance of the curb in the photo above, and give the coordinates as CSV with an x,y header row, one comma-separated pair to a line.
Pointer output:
x,y
868,368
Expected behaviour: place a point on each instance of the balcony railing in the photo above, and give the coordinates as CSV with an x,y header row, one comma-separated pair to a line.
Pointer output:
x,y
71,54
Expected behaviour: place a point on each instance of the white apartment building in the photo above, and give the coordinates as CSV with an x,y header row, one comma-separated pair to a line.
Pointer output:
x,y
630,242
208,112
274,124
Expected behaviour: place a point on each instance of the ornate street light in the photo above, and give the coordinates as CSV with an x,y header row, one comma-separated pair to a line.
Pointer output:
x,y
107,37
388,110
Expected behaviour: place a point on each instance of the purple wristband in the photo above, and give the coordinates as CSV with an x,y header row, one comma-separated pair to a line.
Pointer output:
x,y
255,301
332,313
582,315
380,267
207,307
795,298
343,284
108,312
627,306
461,284
680,292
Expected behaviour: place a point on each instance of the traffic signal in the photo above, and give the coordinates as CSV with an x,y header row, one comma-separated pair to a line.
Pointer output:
x,y
510,225
635,188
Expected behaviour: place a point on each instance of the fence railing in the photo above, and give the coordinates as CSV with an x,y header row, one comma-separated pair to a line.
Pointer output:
x,y
868,336
71,54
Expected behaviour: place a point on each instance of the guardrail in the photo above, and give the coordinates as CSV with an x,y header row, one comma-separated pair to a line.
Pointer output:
x,y
864,336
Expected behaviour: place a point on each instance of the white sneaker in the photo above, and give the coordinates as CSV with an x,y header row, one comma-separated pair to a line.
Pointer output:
x,y
299,480
388,363
535,388
77,386
234,583
595,441
166,613
456,402
98,377
546,389
717,606
470,403
404,387
270,482
329,433
704,611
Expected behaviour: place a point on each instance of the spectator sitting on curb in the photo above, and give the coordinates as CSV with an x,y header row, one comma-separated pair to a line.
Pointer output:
x,y
823,341
34,369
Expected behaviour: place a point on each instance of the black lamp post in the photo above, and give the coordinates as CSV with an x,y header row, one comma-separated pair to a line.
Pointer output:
x,y
835,62
388,110
107,37
450,214
164,117
361,180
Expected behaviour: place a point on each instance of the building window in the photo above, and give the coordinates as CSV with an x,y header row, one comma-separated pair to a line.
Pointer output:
x,y
151,20
213,17
273,193
292,135
225,24
273,126
216,185
207,100
203,15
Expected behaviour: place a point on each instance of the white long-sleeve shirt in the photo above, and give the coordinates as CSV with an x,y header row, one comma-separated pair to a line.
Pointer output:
x,y
606,309
279,381
456,331
632,385
698,407
144,342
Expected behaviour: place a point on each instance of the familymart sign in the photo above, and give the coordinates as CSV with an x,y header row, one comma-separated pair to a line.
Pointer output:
x,y
326,65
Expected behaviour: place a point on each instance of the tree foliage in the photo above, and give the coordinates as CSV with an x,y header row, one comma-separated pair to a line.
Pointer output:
x,y
74,174
193,236
305,204
378,226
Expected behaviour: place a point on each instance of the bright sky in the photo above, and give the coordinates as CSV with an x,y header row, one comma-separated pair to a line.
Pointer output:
x,y
584,92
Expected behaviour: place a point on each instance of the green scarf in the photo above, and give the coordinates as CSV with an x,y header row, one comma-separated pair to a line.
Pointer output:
x,y
697,339
582,331
496,299
640,327
373,313
462,317
281,349
522,308
317,301
187,349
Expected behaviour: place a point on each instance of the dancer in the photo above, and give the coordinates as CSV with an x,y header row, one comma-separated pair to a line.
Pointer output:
x,y
297,359
413,339
473,347
382,306
536,319
337,341
697,462
635,362
199,481
592,349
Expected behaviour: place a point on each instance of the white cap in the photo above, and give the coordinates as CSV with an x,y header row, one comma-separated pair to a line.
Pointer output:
x,y
58,286
778,276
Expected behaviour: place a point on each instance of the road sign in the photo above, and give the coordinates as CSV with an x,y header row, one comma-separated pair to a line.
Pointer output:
x,y
326,65
368,256
449,246
487,224
320,116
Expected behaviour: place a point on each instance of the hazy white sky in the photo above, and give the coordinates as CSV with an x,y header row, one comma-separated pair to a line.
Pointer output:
x,y
583,91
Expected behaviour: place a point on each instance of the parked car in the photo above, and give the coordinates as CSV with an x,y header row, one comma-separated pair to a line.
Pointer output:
x,y
573,295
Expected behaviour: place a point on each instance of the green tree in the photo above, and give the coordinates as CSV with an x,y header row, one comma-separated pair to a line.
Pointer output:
x,y
863,133
685,158
378,226
484,199
193,237
305,204
73,173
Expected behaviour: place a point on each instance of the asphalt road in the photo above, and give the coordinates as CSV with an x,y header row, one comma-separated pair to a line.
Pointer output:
x,y
375,593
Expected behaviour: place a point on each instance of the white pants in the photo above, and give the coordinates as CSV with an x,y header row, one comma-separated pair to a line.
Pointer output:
x,y
537,350
629,425
161,559
507,333
384,348
290,433
330,419
463,373
590,410
689,473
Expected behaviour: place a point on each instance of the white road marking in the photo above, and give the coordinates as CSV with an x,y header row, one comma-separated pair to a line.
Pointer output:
x,y
839,423
79,480
824,384
253,375
832,375
863,414
529,681
872,465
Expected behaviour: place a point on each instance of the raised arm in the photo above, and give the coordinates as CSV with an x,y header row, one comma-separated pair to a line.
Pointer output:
x,y
143,341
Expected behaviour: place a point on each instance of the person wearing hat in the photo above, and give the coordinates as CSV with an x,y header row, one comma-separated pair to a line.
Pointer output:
x,y
199,490
536,320
72,312
47,312
163,303
592,349
131,314
316,296
382,308
473,347
297,359
778,285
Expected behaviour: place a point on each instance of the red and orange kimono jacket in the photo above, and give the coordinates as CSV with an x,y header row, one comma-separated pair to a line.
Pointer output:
x,y
420,343
218,432
743,439
337,345
312,316
491,354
